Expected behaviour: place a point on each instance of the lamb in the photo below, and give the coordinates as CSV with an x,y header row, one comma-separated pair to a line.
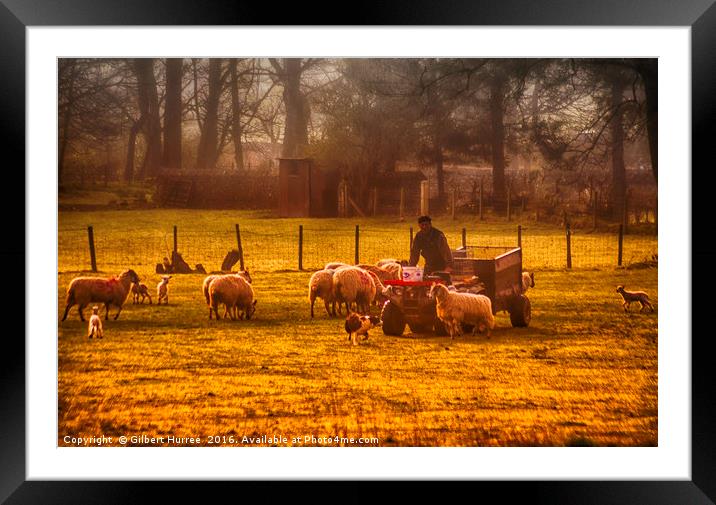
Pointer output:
x,y
634,296
113,291
95,324
163,290
454,308
140,289
354,285
207,281
235,293
528,281
320,285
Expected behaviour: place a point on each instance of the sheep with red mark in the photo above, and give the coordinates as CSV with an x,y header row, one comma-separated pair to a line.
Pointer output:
x,y
354,285
113,291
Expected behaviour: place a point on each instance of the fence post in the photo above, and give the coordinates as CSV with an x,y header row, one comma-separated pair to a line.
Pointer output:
x,y
452,203
464,238
621,244
411,238
569,246
481,188
300,247
241,249
357,244
175,239
93,257
625,217
519,236
402,204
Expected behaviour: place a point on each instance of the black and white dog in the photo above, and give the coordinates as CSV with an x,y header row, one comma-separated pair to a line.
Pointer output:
x,y
360,325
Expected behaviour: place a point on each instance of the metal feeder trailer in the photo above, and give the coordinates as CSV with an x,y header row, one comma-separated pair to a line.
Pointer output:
x,y
499,270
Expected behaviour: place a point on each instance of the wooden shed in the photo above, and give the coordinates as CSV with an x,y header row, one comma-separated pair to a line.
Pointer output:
x,y
305,190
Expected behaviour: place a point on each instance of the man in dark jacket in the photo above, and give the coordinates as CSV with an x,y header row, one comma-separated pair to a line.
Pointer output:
x,y
432,245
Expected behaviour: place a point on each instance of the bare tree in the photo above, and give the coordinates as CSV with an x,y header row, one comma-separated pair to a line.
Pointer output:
x,y
149,110
173,114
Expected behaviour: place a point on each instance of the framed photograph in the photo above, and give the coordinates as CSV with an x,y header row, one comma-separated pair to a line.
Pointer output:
x,y
299,152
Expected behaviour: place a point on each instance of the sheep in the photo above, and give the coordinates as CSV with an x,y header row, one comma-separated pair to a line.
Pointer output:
x,y
354,285
393,267
382,294
140,289
634,296
528,281
321,285
334,265
235,293
95,324
207,281
385,274
113,291
163,290
454,308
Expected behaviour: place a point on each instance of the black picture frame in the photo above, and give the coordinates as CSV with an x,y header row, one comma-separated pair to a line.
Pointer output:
x,y
700,15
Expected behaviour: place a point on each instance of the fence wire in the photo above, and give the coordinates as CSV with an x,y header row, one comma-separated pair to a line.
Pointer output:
x,y
279,250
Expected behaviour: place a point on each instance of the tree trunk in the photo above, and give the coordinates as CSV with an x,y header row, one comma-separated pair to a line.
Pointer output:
x,y
131,144
618,169
173,115
649,74
497,90
207,154
236,118
66,121
295,137
149,108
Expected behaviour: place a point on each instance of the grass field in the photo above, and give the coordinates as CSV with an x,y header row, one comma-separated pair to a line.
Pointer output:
x,y
582,373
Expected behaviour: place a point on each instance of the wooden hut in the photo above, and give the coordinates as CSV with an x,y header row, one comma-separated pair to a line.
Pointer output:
x,y
305,190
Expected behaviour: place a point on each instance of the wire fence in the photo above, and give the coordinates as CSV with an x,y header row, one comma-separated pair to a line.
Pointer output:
x,y
286,249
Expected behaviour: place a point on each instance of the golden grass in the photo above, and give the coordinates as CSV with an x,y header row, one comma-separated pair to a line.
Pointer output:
x,y
582,373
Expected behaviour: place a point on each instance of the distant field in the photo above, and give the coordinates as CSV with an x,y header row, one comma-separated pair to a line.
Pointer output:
x,y
582,373
143,237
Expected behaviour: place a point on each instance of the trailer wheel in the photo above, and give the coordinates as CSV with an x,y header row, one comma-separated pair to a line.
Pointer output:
x,y
520,311
393,320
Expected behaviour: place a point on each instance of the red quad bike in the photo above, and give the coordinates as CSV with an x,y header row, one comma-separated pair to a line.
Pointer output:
x,y
499,270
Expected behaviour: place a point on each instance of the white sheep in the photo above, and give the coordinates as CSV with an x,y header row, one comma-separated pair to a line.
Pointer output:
x,y
95,324
163,290
235,293
207,281
384,273
382,294
140,290
454,308
354,285
335,264
393,267
112,291
528,281
634,296
320,285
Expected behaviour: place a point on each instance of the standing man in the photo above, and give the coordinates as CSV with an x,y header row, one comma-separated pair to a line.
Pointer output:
x,y
433,246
